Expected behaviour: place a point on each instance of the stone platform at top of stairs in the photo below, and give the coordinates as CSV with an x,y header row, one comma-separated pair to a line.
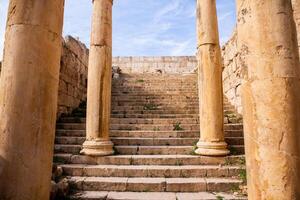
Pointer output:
x,y
92,195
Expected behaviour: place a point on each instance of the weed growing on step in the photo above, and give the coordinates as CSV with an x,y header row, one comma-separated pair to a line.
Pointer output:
x,y
238,161
194,148
140,81
228,162
235,189
219,197
150,107
131,161
178,163
156,129
242,161
233,150
115,151
243,175
177,127
59,160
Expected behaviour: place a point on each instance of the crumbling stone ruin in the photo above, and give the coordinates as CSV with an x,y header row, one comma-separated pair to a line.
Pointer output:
x,y
80,124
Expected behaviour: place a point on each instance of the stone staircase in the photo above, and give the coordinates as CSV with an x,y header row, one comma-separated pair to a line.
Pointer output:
x,y
154,126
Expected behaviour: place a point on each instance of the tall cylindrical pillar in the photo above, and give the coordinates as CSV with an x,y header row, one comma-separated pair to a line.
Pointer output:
x,y
99,82
267,41
28,97
211,141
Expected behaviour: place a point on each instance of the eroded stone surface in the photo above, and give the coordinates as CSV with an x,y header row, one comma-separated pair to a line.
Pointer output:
x,y
211,141
270,93
99,82
28,98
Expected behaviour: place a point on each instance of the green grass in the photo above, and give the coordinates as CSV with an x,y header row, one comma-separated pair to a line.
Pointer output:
x,y
177,127
243,175
178,163
219,197
156,129
140,81
115,151
150,107
193,152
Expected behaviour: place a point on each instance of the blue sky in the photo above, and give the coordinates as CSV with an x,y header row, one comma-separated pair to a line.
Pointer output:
x,y
142,27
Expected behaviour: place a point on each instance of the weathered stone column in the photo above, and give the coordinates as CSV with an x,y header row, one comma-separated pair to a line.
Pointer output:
x,y
271,95
99,82
211,141
28,98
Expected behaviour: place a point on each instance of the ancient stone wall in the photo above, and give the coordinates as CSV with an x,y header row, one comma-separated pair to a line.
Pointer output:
x,y
232,79
167,64
73,75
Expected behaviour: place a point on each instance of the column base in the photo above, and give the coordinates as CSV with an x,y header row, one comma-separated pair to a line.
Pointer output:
x,y
97,148
212,148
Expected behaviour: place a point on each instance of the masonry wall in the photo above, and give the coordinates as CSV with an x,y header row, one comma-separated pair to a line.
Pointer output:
x,y
73,75
166,64
232,73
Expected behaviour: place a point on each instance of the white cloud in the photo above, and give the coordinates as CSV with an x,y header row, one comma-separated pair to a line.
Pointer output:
x,y
171,8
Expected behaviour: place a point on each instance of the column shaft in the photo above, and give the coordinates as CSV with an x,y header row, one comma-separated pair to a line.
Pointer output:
x,y
210,82
28,98
99,82
270,95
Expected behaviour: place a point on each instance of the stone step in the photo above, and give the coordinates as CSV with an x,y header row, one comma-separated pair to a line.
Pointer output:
x,y
147,134
155,77
142,81
166,150
147,141
155,90
162,95
144,150
155,83
134,120
163,103
139,85
194,101
153,184
105,195
154,171
144,114
153,110
177,160
156,102
151,106
146,127
149,115
155,98
131,150
155,94
162,111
